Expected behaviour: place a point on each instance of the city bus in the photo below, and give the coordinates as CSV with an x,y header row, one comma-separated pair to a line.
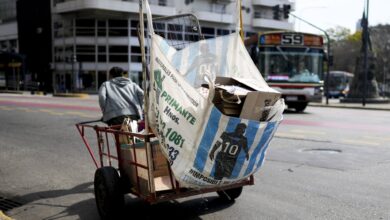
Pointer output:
x,y
292,63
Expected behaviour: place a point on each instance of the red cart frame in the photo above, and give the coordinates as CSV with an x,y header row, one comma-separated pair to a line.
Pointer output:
x,y
107,156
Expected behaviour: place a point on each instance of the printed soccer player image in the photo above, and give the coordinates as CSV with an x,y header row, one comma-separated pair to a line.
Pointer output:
x,y
232,143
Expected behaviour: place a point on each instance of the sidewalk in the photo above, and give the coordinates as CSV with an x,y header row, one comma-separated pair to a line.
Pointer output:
x,y
40,93
335,103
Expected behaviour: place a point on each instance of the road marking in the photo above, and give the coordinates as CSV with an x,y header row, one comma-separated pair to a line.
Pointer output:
x,y
56,113
45,110
29,110
377,138
6,108
288,135
90,116
308,132
81,114
22,108
51,112
360,142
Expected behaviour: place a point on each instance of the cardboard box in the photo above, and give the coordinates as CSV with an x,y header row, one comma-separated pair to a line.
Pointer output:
x,y
258,104
255,102
136,153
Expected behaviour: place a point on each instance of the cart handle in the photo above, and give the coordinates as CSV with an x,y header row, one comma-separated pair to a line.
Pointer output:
x,y
89,122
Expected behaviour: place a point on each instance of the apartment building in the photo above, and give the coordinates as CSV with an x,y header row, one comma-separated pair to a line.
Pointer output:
x,y
8,37
89,36
25,45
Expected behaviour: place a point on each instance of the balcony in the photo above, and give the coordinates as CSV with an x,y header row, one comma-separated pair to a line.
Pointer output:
x,y
214,17
272,24
270,3
111,5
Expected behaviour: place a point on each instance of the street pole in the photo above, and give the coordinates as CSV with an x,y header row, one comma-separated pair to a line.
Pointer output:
x,y
384,81
365,49
327,55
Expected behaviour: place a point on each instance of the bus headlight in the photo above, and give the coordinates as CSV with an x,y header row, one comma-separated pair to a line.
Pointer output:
x,y
318,90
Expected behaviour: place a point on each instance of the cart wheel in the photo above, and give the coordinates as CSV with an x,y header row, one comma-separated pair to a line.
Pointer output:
x,y
230,194
108,195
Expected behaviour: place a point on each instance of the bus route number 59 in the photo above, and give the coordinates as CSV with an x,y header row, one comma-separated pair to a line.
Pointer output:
x,y
292,39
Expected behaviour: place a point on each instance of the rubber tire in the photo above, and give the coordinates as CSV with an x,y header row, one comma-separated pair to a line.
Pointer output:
x,y
230,194
108,194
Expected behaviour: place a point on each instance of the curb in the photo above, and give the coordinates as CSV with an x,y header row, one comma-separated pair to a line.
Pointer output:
x,y
71,95
350,107
11,92
4,217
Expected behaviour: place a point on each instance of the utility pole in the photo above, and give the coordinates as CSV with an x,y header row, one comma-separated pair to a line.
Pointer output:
x,y
327,55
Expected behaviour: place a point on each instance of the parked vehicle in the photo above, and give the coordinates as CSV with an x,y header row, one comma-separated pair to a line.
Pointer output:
x,y
338,84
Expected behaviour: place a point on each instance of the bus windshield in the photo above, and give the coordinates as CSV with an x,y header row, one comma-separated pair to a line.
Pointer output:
x,y
291,64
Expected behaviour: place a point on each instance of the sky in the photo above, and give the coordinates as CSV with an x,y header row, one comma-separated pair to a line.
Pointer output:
x,y
327,14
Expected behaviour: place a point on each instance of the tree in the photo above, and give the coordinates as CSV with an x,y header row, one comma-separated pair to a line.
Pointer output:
x,y
338,33
346,48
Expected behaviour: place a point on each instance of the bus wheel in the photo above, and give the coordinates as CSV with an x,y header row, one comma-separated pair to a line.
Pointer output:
x,y
300,107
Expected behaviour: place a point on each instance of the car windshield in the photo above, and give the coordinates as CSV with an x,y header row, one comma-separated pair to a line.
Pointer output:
x,y
290,65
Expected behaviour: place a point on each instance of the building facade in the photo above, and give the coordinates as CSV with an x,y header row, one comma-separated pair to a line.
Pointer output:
x,y
25,45
9,45
78,41
89,37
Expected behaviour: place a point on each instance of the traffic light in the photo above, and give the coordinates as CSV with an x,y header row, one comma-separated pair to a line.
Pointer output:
x,y
286,11
276,10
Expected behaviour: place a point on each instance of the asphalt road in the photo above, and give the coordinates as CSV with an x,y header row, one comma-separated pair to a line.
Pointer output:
x,y
326,163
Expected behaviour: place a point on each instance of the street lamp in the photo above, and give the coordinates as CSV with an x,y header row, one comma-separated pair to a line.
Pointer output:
x,y
327,54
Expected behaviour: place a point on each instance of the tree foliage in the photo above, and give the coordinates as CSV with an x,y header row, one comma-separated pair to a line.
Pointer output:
x,y
338,33
347,47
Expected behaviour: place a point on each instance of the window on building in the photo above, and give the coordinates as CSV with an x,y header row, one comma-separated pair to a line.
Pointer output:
x,y
134,28
257,14
101,28
102,54
118,54
136,55
68,52
162,2
59,54
7,10
85,53
58,29
159,28
117,28
175,32
191,34
208,32
85,27
221,32
89,80
102,77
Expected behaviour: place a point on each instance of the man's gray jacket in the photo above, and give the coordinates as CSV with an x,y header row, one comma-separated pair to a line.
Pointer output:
x,y
120,96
